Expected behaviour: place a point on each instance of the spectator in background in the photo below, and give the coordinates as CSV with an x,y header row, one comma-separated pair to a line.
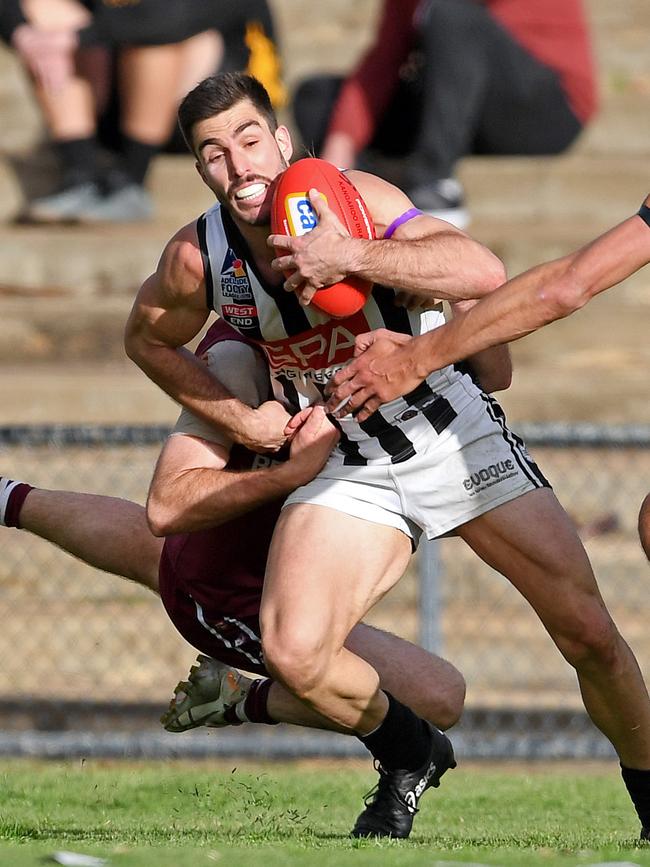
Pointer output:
x,y
247,40
153,51
446,78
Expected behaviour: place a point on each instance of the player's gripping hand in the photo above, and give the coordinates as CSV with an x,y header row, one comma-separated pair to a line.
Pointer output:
x,y
313,436
264,431
382,370
317,259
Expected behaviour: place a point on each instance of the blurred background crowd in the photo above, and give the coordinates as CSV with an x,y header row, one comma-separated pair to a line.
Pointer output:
x,y
441,79
108,77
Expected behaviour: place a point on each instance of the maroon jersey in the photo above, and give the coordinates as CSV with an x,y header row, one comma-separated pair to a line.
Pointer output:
x,y
211,580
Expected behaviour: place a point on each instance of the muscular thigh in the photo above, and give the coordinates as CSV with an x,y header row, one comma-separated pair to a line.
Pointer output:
x,y
325,570
533,542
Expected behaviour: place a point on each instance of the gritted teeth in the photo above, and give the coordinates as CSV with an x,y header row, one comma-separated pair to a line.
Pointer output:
x,y
250,191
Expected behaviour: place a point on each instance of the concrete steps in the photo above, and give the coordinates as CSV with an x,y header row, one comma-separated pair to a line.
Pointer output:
x,y
542,205
66,291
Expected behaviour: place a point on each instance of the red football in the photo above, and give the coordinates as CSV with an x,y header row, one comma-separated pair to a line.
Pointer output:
x,y
292,214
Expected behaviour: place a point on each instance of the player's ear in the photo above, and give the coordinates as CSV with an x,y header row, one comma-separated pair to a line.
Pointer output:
x,y
283,138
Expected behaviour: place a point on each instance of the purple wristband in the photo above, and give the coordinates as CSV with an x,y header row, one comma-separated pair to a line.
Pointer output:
x,y
399,221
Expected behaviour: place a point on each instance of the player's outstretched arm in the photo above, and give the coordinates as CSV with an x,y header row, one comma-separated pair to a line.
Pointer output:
x,y
169,311
491,368
529,301
192,489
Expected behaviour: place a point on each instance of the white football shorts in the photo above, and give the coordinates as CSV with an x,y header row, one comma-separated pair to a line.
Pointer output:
x,y
478,465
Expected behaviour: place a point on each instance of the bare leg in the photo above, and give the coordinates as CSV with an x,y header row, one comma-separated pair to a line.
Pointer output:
x,y
429,685
534,544
148,84
105,532
69,112
111,534
644,526
202,56
324,572
56,14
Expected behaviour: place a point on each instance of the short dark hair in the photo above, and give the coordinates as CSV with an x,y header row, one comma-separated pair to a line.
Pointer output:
x,y
218,93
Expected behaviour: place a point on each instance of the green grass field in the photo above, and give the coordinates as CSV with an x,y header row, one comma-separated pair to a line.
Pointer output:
x,y
181,814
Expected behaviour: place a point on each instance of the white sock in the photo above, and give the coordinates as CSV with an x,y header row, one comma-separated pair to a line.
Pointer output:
x,y
6,487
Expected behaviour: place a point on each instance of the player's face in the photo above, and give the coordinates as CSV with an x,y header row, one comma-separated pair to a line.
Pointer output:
x,y
239,158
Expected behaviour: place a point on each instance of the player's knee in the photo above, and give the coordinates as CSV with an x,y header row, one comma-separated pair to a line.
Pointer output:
x,y
296,661
452,701
442,702
593,641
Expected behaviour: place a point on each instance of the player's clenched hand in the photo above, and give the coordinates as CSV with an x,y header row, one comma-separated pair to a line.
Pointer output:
x,y
316,259
382,370
312,443
388,339
296,422
265,428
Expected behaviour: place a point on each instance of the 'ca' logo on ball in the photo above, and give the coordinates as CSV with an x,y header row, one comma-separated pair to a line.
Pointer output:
x,y
302,217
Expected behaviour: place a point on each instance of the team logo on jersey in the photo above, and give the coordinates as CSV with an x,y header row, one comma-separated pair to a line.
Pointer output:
x,y
240,316
234,278
317,353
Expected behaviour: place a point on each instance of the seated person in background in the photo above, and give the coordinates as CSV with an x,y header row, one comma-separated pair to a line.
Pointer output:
x,y
244,38
153,50
447,78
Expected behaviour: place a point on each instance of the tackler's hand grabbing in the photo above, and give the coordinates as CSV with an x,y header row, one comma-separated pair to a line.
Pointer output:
x,y
382,370
313,436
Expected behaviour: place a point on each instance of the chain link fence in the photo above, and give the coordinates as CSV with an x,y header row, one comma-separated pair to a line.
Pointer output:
x,y
77,645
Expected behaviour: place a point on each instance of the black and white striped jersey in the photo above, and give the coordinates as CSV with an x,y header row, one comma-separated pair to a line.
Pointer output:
x,y
304,348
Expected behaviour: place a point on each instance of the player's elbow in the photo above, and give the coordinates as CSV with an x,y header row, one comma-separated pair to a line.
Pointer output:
x,y
134,345
492,274
564,296
161,515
